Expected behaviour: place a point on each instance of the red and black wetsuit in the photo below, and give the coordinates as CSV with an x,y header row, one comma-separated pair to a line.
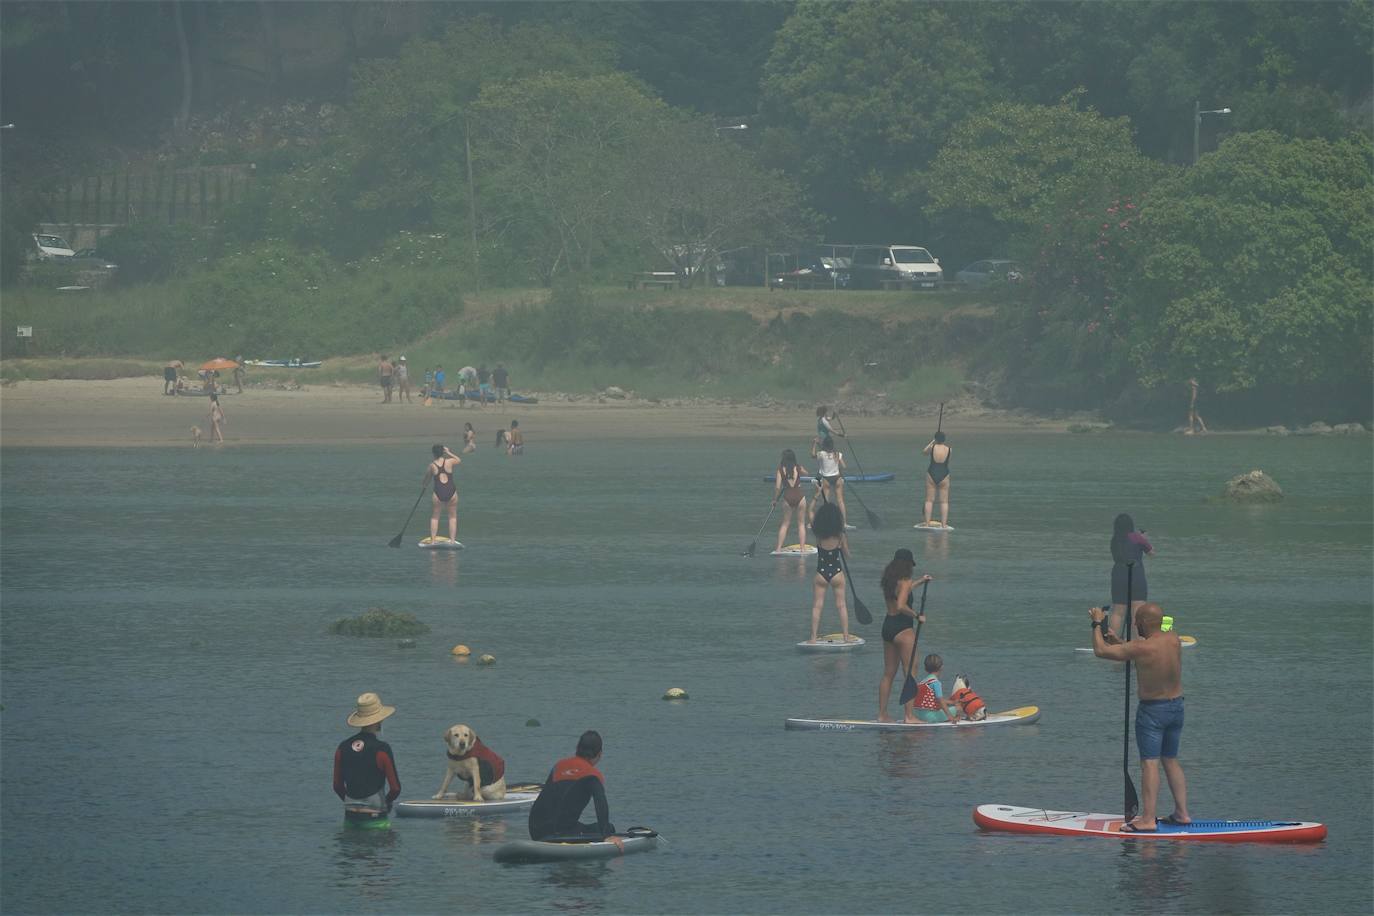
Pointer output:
x,y
490,766
572,782
362,764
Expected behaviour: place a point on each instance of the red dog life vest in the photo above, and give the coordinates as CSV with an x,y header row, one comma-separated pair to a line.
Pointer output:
x,y
969,702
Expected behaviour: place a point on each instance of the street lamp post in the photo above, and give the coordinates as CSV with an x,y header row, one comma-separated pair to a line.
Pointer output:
x,y
1197,122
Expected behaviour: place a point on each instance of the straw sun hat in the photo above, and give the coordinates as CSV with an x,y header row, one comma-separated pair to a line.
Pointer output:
x,y
370,711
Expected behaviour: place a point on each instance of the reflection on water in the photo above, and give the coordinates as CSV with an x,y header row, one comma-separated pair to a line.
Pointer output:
x,y
475,831
579,876
443,567
364,860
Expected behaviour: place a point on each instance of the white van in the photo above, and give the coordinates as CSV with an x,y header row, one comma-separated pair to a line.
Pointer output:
x,y
894,267
51,247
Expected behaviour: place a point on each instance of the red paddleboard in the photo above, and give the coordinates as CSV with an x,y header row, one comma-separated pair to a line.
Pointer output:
x,y
1011,819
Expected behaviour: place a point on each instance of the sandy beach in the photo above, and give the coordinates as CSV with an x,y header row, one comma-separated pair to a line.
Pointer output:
x,y
132,412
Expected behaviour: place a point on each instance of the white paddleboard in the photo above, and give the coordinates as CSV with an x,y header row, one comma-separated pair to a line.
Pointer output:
x,y
851,527
439,544
1013,819
935,526
1187,641
796,550
1022,716
832,642
518,798
636,839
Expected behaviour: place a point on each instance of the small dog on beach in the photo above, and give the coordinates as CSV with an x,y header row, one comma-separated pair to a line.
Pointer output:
x,y
970,704
195,436
475,764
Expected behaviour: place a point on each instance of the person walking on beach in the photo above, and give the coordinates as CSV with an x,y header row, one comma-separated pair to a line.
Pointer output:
x,y
216,420
1158,657
937,479
429,383
439,380
1128,546
501,379
239,373
898,634
831,544
385,372
364,765
469,439
1194,418
402,374
830,474
787,485
440,470
483,384
171,376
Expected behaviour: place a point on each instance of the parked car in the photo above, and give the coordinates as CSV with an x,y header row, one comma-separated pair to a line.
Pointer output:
x,y
821,267
90,259
51,247
984,273
894,267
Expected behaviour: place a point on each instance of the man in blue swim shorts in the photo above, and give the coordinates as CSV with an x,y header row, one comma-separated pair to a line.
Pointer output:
x,y
1158,656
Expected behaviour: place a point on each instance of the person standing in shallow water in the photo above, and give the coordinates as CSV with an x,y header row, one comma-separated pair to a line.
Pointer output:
x,y
364,765
1194,418
445,496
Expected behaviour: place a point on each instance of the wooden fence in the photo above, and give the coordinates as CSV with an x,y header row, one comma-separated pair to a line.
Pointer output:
x,y
196,195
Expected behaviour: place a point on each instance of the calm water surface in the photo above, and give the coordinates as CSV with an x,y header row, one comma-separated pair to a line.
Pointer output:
x,y
172,700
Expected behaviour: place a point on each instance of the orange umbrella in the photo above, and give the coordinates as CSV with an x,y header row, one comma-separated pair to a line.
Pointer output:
x,y
220,363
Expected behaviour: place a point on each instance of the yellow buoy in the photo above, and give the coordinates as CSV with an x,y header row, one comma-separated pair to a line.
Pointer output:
x,y
486,660
461,649
675,693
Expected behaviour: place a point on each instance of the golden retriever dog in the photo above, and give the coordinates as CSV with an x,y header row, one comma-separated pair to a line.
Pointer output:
x,y
475,764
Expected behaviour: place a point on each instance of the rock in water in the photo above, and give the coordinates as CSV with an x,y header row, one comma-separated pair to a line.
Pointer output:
x,y
1253,487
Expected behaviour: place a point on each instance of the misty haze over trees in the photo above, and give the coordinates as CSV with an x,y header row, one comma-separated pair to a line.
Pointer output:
x,y
423,151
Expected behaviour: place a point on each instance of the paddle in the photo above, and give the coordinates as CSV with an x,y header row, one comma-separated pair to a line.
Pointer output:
x,y
909,686
939,424
396,541
860,609
873,520
749,551
1132,803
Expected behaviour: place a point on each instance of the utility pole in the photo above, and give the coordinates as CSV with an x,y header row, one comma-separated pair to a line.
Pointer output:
x,y
472,207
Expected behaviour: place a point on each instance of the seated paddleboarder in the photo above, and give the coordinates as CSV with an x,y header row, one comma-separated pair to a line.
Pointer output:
x,y
572,783
930,704
364,765
1158,656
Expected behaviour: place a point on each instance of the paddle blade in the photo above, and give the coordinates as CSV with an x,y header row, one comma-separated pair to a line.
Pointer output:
x,y
908,690
1132,803
396,541
873,520
861,612
749,551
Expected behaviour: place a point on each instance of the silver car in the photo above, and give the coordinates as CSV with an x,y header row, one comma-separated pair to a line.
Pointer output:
x,y
984,273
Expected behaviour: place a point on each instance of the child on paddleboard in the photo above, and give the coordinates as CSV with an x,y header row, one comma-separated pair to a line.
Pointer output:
x,y
930,704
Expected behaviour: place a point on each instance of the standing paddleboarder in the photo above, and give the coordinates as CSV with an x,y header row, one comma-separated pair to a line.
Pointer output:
x,y
830,475
898,635
440,470
937,479
787,485
831,545
1158,657
1128,546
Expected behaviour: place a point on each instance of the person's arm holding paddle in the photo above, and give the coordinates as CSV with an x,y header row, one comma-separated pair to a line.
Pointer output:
x,y
777,485
1116,651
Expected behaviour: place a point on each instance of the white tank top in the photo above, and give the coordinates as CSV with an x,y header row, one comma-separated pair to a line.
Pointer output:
x,y
829,462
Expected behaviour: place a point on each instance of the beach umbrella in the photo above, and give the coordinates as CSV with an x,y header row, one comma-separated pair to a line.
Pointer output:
x,y
220,363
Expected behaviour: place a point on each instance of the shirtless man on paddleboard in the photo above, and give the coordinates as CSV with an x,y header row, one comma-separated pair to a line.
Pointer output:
x,y
1158,656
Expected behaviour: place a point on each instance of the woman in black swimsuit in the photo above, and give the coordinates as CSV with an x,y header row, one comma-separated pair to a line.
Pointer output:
x,y
440,470
830,545
787,486
937,478
898,634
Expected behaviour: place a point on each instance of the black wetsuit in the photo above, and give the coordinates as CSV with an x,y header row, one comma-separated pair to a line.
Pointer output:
x,y
572,783
363,765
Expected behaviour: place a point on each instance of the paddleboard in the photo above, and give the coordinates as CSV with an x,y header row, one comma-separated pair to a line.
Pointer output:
x,y
1188,643
849,478
366,819
1025,715
1077,823
796,550
518,798
439,544
851,527
933,527
636,839
832,642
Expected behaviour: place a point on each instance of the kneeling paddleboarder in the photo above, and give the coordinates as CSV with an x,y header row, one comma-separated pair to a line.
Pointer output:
x,y
572,783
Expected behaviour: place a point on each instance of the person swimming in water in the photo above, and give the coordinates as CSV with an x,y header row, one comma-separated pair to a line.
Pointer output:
x,y
898,635
831,546
469,439
937,478
440,470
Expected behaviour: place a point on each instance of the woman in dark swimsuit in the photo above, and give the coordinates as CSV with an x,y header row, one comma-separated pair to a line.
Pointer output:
x,y
440,470
898,634
937,478
1128,546
830,545
787,485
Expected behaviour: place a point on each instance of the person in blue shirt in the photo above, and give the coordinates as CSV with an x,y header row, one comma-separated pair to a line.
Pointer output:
x,y
439,379
930,704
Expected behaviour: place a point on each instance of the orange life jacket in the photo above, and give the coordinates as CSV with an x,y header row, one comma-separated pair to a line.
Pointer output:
x,y
969,702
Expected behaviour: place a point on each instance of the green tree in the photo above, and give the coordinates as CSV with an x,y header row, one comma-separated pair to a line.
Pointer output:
x,y
1254,267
